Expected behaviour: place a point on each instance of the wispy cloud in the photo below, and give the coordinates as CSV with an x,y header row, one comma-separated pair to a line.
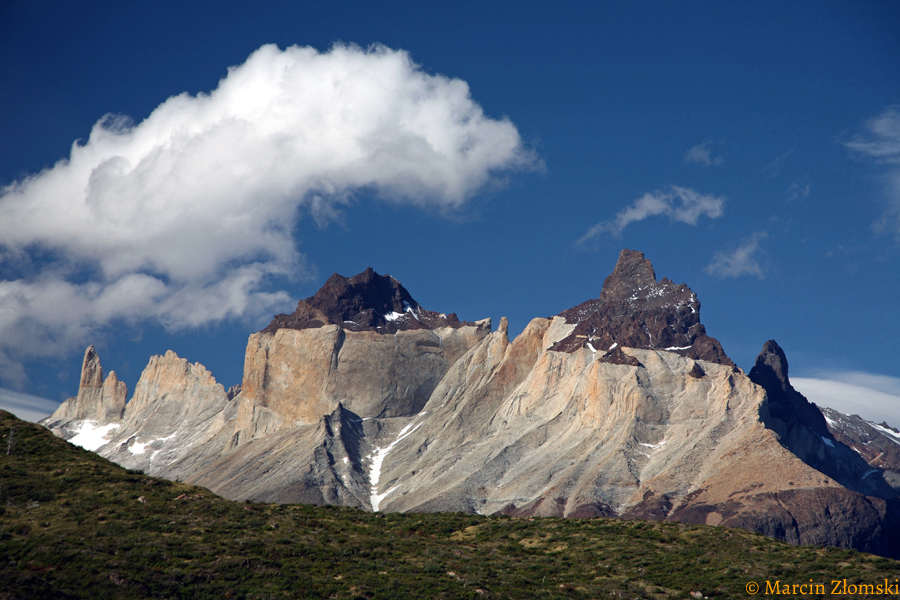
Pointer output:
x,y
773,169
186,217
25,406
679,204
880,142
700,154
798,190
871,396
740,261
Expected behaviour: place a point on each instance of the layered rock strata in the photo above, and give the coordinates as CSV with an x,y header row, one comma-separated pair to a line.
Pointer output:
x,y
622,406
362,342
636,311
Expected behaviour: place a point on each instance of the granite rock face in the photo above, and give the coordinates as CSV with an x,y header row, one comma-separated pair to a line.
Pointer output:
x,y
98,400
362,342
176,408
622,407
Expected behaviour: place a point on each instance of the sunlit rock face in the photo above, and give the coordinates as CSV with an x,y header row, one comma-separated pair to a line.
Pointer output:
x,y
176,409
89,418
99,400
622,407
362,342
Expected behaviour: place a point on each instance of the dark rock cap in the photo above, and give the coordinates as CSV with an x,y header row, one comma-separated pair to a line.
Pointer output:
x,y
365,302
636,311
785,404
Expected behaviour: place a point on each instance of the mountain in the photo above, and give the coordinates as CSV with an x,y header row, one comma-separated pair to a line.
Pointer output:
x,y
636,311
98,399
877,443
622,406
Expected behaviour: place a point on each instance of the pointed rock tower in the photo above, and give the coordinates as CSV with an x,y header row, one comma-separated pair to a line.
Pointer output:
x,y
97,400
636,311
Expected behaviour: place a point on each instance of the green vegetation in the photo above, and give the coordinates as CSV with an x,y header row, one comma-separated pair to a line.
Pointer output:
x,y
74,525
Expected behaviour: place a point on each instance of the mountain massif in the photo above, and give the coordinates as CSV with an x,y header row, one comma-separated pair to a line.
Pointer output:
x,y
622,406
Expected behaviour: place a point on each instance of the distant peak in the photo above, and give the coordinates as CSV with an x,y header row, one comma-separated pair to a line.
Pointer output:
x,y
635,310
365,302
632,272
346,297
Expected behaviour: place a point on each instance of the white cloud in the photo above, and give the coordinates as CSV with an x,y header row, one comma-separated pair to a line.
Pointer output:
x,y
701,154
186,217
873,397
743,260
25,406
691,205
880,142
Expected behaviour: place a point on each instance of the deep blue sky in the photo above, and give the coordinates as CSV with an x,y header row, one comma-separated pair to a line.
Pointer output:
x,y
791,109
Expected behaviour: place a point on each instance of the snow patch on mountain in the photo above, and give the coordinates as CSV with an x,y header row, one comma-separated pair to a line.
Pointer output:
x,y
377,460
90,435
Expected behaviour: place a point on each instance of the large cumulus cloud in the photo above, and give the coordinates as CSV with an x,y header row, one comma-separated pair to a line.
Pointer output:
x,y
183,217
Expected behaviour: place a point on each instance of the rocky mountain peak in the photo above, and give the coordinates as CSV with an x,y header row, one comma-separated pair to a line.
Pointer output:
x,y
349,297
786,405
91,370
99,400
771,369
365,302
632,275
635,310
803,429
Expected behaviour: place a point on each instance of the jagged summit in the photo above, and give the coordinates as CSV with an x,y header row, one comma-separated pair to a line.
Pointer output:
x,y
785,403
636,311
804,430
365,302
632,277
98,399
463,419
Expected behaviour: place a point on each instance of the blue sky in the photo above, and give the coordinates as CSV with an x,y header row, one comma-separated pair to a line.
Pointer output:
x,y
494,157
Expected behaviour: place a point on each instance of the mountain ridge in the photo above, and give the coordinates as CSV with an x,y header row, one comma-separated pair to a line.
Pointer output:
x,y
620,406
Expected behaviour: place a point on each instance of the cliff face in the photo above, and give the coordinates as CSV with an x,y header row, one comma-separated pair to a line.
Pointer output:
x,y
362,342
98,400
296,376
176,408
621,406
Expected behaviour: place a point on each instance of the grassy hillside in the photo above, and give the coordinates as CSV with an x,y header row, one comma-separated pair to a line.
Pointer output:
x,y
73,525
